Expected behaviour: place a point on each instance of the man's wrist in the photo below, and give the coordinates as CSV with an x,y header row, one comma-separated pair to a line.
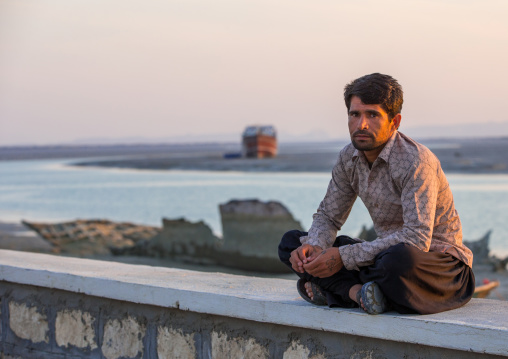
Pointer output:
x,y
347,256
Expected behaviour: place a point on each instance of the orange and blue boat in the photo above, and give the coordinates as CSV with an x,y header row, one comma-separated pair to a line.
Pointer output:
x,y
259,142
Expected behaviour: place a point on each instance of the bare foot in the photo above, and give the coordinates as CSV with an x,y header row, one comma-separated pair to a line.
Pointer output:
x,y
361,304
308,288
353,292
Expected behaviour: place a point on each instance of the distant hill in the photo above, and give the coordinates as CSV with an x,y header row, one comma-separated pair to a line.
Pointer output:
x,y
467,130
471,130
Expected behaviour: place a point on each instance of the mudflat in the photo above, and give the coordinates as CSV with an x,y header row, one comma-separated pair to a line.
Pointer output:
x,y
466,155
456,156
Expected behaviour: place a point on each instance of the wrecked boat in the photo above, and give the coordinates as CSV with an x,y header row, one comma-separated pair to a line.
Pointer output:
x,y
251,232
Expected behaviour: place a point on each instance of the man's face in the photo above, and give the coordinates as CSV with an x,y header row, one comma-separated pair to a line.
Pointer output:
x,y
370,127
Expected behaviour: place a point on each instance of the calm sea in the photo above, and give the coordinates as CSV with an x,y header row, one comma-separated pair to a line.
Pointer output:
x,y
49,190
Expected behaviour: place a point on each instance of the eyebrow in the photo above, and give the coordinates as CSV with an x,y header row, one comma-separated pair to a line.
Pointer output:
x,y
369,112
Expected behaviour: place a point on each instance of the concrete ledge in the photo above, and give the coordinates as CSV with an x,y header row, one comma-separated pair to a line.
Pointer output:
x,y
479,327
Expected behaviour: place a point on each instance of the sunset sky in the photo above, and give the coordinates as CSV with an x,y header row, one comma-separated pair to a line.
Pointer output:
x,y
196,70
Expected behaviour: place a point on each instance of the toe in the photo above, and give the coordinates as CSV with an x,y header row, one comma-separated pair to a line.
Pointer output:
x,y
308,288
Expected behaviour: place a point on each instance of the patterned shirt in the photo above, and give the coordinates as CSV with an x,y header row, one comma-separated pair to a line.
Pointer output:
x,y
406,194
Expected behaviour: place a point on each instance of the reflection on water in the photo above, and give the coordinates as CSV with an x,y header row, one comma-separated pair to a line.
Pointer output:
x,y
47,190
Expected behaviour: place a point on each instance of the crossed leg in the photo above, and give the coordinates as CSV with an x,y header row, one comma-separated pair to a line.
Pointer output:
x,y
412,281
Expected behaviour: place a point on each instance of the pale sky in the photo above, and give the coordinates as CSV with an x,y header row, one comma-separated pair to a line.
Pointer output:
x,y
118,69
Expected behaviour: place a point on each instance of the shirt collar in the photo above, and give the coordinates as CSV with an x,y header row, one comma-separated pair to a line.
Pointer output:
x,y
385,153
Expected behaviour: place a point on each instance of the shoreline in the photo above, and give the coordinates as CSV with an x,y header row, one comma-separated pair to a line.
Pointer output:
x,y
462,157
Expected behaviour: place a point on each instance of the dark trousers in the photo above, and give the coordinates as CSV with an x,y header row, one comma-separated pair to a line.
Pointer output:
x,y
413,281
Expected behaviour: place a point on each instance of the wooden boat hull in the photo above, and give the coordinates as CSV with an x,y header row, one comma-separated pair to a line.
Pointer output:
x,y
260,146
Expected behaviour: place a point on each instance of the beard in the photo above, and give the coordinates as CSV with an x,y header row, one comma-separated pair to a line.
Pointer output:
x,y
366,146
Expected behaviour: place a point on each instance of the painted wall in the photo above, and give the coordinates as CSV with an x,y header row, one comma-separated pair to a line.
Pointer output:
x,y
39,322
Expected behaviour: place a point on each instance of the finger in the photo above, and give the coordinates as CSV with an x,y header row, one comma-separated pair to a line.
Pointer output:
x,y
295,255
301,259
317,268
292,261
299,269
317,260
318,272
310,266
314,252
305,252
293,265
312,257
313,267
296,267
296,264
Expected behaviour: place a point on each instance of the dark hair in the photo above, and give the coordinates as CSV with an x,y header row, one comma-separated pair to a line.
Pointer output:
x,y
376,89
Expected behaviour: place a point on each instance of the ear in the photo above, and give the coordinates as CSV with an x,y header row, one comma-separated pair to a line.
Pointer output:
x,y
396,121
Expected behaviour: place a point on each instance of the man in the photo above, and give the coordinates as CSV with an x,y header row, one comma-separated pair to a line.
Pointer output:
x,y
418,263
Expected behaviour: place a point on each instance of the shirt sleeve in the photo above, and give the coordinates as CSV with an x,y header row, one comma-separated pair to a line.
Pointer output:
x,y
333,209
418,199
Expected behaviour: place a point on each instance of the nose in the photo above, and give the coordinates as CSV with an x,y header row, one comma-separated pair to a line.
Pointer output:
x,y
363,123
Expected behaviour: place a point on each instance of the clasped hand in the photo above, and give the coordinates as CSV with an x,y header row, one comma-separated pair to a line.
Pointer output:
x,y
316,261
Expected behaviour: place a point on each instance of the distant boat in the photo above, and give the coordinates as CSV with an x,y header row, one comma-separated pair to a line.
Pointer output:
x,y
260,142
484,290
